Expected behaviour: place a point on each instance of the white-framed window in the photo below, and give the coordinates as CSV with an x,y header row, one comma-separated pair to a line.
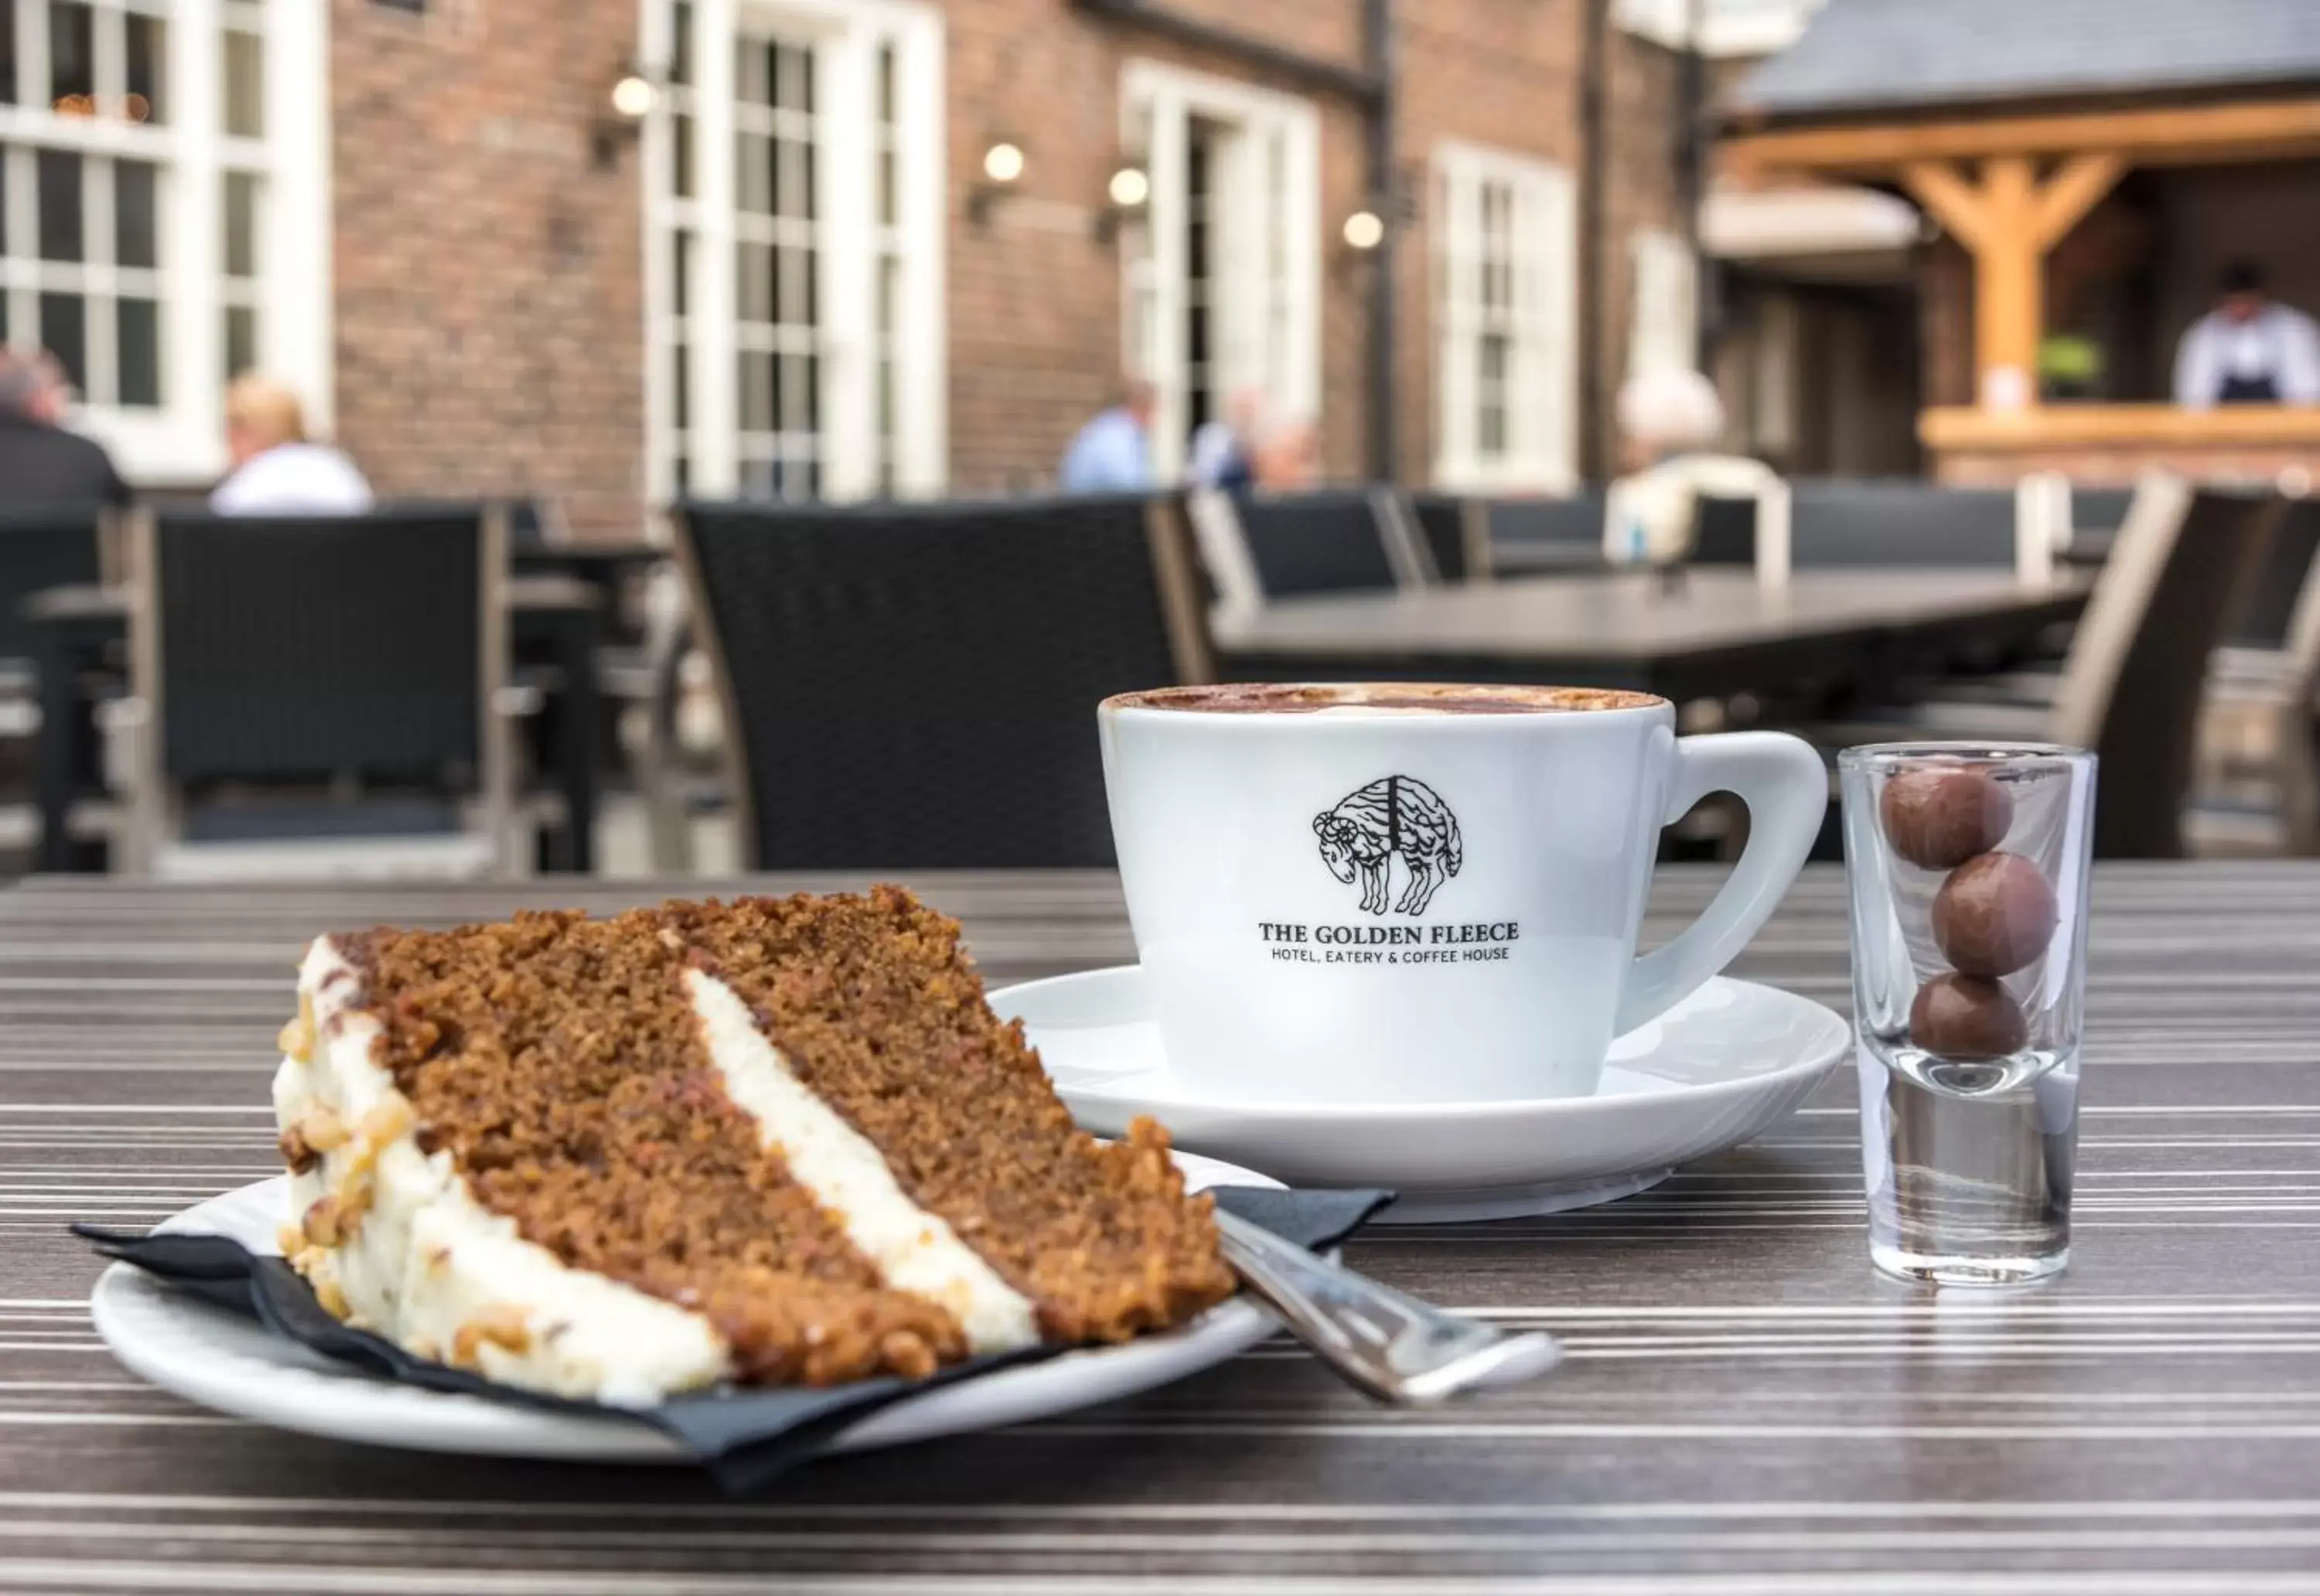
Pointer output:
x,y
1725,28
794,268
1663,315
1506,260
1221,277
164,211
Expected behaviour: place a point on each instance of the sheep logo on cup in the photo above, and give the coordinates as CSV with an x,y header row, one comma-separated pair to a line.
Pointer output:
x,y
1397,814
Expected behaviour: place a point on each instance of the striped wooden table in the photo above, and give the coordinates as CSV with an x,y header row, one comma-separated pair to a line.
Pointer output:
x,y
1746,1409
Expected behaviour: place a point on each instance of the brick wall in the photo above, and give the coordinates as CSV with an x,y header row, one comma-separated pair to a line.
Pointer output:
x,y
489,319
489,325
1036,312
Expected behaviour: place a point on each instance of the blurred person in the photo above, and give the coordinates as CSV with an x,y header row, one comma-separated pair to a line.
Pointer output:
x,y
1224,451
1287,456
1112,453
277,471
40,462
2249,350
1669,422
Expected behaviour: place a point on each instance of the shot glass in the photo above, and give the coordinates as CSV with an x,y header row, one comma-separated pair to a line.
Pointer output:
x,y
1968,868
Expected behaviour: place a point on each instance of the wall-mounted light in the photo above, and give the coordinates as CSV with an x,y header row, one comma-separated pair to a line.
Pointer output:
x,y
1126,196
1130,189
1363,231
1003,164
628,99
633,96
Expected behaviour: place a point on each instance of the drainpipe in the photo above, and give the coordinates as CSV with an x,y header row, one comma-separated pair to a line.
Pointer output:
x,y
1594,453
1378,55
1692,177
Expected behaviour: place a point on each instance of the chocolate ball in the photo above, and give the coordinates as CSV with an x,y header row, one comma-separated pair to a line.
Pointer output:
x,y
1994,915
1969,1018
1937,816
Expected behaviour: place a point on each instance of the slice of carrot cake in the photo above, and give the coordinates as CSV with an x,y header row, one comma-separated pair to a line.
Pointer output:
x,y
770,1141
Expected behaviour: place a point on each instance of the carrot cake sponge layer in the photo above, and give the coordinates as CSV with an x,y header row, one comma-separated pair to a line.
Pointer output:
x,y
610,1159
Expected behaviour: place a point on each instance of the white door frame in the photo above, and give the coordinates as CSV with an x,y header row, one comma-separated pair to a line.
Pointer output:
x,y
1158,101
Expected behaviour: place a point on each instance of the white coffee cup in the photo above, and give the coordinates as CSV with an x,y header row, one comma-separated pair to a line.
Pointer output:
x,y
1404,892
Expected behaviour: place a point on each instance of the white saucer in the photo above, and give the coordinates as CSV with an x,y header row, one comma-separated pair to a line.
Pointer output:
x,y
225,1361
1723,1066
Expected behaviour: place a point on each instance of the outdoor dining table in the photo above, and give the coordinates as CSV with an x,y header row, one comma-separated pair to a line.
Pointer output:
x,y
553,616
1705,632
1745,1407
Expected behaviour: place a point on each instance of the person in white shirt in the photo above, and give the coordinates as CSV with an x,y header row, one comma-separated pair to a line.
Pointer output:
x,y
1669,420
275,471
2249,350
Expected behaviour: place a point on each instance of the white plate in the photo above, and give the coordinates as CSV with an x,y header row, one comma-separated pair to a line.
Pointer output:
x,y
1723,1066
226,1363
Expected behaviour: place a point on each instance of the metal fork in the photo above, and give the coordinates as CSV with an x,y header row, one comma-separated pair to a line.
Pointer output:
x,y
1383,1341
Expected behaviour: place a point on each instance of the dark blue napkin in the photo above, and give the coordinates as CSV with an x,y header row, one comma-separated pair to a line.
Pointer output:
x,y
744,1435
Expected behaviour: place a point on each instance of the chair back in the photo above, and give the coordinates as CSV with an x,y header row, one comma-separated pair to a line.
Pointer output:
x,y
1557,531
2282,608
1456,533
1331,541
39,549
305,647
915,686
1836,523
1724,532
2132,687
2099,510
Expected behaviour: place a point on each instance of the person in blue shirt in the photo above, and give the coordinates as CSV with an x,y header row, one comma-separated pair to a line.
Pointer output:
x,y
1112,453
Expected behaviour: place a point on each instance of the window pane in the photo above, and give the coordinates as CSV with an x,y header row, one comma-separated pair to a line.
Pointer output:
x,y
681,150
138,330
886,186
793,179
64,334
793,79
683,379
753,174
72,49
245,85
136,207
7,52
886,101
681,272
148,69
240,224
756,392
797,305
60,217
241,340
754,287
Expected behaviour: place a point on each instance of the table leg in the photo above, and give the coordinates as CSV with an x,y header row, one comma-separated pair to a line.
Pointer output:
x,y
574,741
52,750
64,650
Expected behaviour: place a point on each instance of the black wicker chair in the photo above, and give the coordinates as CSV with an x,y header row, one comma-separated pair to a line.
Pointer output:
x,y
1836,523
1331,541
1456,532
320,694
40,549
2133,685
1547,534
914,687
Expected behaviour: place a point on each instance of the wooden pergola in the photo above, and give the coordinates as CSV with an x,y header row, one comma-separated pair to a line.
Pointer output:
x,y
2009,188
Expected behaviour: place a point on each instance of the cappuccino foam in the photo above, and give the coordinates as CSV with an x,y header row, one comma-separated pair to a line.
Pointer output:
x,y
1382,698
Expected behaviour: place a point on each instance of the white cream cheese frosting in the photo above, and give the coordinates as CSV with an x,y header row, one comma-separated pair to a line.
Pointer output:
x,y
394,1234
392,1240
914,1250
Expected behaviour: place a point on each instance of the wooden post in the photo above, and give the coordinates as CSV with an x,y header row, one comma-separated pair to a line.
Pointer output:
x,y
2009,221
